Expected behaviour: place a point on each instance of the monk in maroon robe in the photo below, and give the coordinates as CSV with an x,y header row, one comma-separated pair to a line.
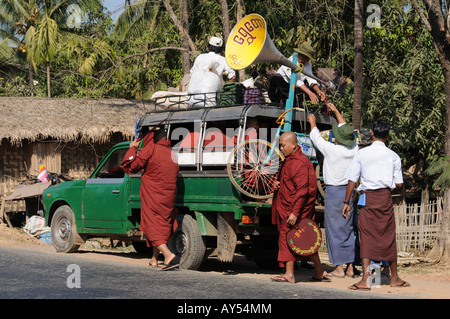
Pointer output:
x,y
294,199
158,191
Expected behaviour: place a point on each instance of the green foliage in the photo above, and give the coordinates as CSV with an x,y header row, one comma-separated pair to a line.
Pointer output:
x,y
440,166
404,84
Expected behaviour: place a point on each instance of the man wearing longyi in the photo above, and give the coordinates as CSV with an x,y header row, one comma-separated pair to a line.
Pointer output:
x,y
294,199
380,171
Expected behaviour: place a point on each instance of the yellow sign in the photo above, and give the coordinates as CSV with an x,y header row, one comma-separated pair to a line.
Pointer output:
x,y
245,41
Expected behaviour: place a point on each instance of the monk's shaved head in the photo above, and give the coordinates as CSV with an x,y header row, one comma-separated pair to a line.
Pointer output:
x,y
288,143
289,137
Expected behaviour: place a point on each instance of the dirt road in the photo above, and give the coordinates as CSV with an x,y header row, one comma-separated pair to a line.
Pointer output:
x,y
427,279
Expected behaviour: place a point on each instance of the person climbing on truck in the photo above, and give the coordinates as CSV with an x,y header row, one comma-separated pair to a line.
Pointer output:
x,y
158,191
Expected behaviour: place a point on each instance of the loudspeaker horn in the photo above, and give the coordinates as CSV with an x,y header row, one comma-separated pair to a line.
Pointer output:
x,y
249,43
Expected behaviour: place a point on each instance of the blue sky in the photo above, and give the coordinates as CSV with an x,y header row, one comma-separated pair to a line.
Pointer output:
x,y
115,7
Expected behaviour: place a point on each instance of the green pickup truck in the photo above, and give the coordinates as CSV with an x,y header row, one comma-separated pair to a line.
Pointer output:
x,y
214,217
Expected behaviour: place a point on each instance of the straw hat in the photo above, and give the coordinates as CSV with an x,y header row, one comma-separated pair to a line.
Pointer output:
x,y
306,50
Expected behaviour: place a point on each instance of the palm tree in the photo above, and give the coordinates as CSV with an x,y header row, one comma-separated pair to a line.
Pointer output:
x,y
37,24
6,52
138,16
41,42
16,17
87,52
144,14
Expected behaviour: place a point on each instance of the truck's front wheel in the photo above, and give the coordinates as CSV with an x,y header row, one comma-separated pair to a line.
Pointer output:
x,y
187,243
62,228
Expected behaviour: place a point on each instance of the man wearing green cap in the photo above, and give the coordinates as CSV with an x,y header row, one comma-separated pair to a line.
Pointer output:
x,y
337,158
279,83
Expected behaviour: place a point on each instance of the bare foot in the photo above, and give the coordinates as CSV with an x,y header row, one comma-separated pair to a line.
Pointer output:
x,y
168,260
169,263
337,274
153,263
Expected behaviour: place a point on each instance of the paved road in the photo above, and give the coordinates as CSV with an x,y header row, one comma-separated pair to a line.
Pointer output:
x,y
43,275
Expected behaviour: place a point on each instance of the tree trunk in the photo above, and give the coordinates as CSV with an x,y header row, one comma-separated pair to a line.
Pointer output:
x,y
444,238
48,80
295,26
433,19
185,56
358,67
225,20
180,27
239,16
30,78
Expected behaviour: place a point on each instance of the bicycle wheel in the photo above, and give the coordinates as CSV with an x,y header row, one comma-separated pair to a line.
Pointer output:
x,y
251,170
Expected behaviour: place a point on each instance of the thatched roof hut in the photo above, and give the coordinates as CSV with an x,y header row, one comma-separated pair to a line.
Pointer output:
x,y
85,120
70,136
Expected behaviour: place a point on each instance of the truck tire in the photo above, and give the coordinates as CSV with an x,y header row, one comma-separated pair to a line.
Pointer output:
x,y
62,227
187,243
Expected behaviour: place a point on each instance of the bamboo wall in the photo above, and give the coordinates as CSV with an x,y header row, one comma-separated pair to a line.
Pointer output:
x,y
12,172
418,225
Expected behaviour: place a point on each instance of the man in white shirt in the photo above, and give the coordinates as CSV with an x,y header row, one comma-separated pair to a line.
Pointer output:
x,y
379,170
213,56
279,82
337,158
207,75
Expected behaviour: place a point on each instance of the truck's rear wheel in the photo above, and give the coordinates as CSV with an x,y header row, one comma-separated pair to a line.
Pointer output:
x,y
187,243
62,228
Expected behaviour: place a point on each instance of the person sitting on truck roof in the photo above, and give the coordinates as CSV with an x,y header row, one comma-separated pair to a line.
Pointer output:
x,y
158,191
206,75
215,48
279,82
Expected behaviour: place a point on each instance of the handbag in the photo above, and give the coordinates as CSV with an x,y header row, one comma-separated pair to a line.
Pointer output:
x,y
305,238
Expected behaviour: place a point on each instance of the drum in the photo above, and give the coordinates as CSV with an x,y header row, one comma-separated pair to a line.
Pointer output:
x,y
305,238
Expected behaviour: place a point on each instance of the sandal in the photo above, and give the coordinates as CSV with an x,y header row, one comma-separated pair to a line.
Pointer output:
x,y
280,279
168,266
355,287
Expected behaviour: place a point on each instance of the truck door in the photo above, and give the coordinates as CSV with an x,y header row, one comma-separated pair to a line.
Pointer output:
x,y
103,196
